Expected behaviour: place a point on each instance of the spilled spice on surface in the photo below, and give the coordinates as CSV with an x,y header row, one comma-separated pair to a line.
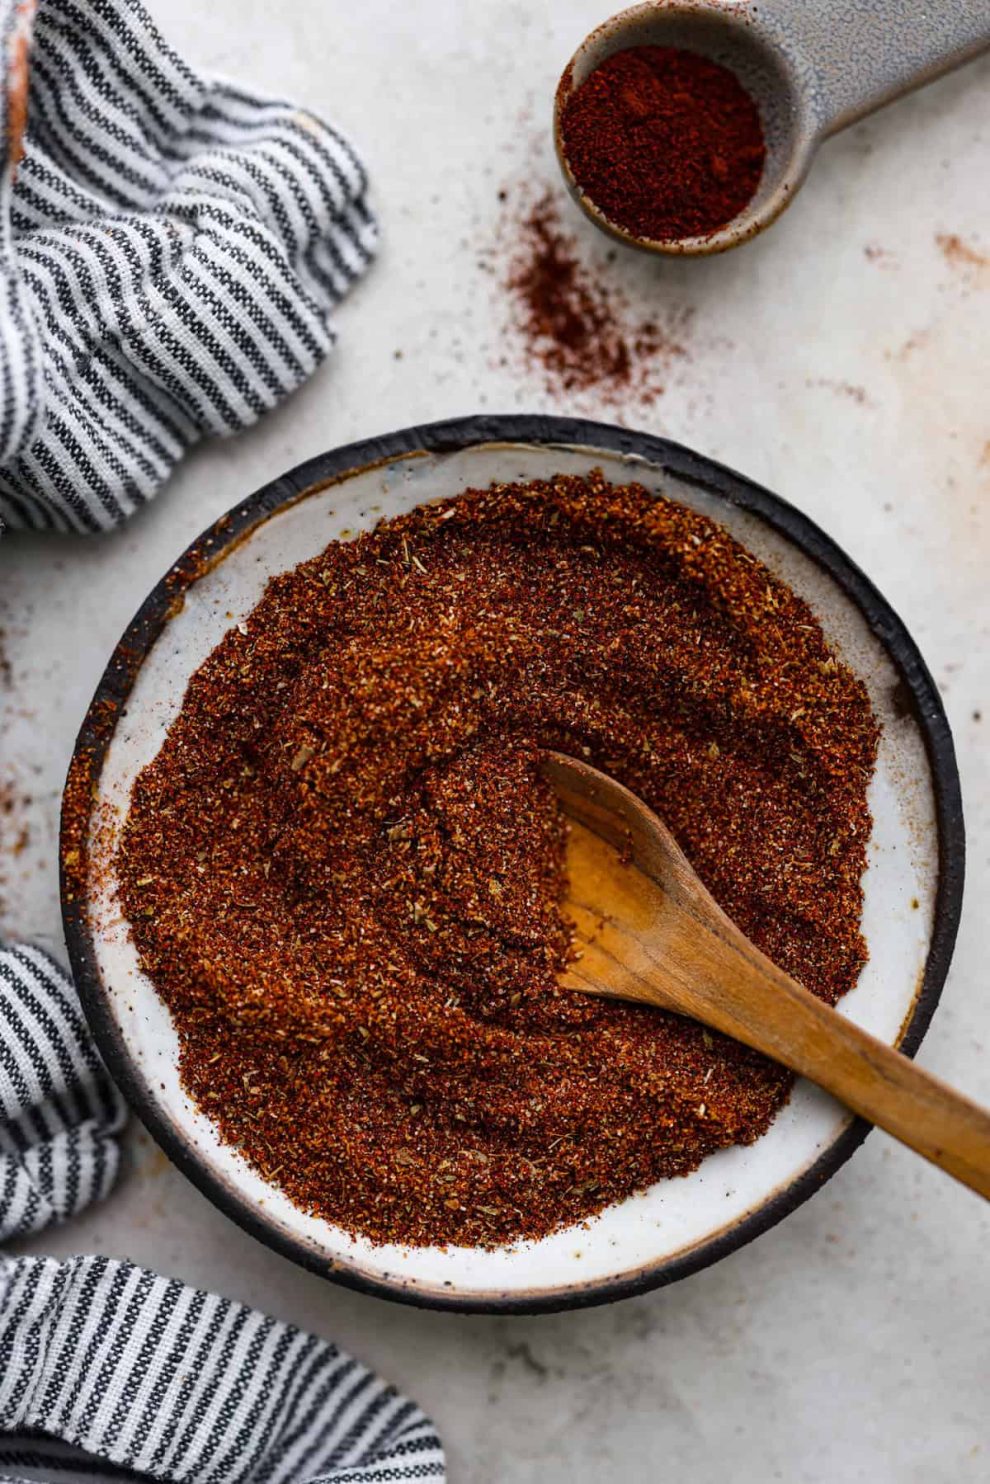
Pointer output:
x,y
572,320
344,871
15,832
960,253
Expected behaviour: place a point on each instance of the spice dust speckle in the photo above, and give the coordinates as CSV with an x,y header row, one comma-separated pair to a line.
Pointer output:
x,y
570,323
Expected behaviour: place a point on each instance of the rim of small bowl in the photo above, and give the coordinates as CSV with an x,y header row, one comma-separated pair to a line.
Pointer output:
x,y
920,696
622,32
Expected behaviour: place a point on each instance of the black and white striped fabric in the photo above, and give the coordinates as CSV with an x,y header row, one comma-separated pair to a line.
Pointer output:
x,y
105,1367
170,251
59,1111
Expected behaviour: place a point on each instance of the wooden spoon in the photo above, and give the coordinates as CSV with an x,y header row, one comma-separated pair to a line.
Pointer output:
x,y
648,930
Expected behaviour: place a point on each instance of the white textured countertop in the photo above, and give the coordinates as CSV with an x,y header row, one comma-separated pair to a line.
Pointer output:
x,y
844,361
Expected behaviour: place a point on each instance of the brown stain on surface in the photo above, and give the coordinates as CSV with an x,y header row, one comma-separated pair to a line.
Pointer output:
x,y
959,253
850,390
915,342
882,257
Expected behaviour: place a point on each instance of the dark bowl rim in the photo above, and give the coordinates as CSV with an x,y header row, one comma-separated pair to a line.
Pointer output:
x,y
920,696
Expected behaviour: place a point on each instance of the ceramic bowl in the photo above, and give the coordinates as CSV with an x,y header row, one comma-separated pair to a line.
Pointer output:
x,y
913,884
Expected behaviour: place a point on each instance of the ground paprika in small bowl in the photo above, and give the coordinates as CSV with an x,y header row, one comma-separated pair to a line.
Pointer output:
x,y
667,143
685,127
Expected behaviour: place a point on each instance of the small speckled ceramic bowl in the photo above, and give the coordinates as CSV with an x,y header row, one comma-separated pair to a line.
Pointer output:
x,y
810,67
913,885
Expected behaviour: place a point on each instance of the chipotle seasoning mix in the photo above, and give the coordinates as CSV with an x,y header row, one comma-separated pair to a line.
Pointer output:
x,y
343,870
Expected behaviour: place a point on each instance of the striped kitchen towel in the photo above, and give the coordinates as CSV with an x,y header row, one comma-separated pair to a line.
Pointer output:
x,y
171,248
105,1367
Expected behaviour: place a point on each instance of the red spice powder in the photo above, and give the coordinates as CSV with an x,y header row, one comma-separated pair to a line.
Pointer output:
x,y
344,871
15,833
666,143
576,325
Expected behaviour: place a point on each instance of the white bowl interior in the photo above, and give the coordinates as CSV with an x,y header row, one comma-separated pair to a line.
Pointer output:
x,y
673,1217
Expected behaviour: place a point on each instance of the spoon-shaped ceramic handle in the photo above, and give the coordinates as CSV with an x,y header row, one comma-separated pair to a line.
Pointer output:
x,y
862,55
653,933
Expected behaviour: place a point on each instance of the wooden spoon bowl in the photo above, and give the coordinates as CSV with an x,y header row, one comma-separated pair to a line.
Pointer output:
x,y
647,929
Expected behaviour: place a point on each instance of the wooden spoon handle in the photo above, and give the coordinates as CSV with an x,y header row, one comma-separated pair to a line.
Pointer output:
x,y
742,993
655,935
